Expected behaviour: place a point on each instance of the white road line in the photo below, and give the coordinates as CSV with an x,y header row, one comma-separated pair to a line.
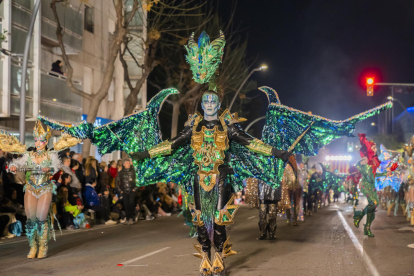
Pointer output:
x,y
146,255
251,217
358,246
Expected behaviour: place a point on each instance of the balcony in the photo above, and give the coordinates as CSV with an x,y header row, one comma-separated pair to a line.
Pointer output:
x,y
70,19
57,101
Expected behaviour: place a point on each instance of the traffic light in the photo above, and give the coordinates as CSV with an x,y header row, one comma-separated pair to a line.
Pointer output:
x,y
370,86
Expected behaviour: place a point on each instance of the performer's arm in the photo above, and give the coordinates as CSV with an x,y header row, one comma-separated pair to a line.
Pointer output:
x,y
166,147
255,145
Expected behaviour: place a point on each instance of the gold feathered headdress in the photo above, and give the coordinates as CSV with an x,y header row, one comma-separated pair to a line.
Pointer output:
x,y
40,133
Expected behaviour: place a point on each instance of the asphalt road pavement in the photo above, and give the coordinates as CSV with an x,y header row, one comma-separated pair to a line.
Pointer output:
x,y
324,244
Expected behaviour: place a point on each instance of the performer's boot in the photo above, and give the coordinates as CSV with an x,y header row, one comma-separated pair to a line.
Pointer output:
x,y
358,215
223,249
367,227
203,250
403,209
31,233
272,221
43,236
288,216
412,216
263,221
390,208
295,215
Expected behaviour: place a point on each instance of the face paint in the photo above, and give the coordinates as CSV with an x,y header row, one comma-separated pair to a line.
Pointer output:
x,y
210,104
40,143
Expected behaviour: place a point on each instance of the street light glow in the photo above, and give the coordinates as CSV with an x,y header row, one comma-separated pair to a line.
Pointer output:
x,y
372,124
263,67
338,158
370,81
389,98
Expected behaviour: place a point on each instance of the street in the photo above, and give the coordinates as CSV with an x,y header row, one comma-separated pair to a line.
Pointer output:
x,y
320,245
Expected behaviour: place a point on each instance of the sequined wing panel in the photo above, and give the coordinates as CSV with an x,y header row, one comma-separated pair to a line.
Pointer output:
x,y
84,130
178,168
247,164
134,133
285,124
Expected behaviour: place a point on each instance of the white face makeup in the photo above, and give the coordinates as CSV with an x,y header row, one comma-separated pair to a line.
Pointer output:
x,y
210,104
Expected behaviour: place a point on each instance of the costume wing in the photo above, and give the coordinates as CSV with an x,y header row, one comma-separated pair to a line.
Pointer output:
x,y
134,133
10,143
178,167
284,125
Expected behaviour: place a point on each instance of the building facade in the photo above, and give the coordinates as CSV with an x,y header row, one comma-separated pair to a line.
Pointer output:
x,y
88,26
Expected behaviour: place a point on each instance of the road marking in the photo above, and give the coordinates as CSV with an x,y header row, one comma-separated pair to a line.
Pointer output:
x,y
251,217
358,246
146,255
407,229
411,245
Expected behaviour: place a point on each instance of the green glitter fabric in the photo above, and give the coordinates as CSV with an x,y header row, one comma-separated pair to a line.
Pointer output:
x,y
205,57
134,133
331,180
284,124
367,183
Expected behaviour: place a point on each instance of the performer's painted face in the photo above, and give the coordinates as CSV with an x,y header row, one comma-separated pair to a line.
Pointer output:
x,y
40,143
374,148
210,104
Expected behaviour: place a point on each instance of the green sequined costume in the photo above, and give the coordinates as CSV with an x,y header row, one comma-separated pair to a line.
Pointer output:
x,y
367,186
207,154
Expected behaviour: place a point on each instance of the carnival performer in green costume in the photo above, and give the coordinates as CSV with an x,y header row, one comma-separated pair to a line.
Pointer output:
x,y
368,167
213,153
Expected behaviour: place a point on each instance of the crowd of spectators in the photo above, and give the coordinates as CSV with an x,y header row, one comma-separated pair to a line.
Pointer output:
x,y
88,193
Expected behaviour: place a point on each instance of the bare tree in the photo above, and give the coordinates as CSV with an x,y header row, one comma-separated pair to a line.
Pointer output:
x,y
162,20
115,43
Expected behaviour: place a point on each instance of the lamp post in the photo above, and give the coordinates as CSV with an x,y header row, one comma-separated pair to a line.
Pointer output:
x,y
22,119
263,67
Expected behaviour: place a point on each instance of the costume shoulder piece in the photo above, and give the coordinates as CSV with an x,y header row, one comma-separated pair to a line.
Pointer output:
x,y
226,118
193,119
66,141
10,143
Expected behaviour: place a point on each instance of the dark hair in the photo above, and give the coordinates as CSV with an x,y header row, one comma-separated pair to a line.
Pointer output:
x,y
10,193
64,176
71,154
92,180
73,163
4,201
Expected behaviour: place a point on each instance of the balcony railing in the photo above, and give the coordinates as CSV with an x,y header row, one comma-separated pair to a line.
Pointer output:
x,y
57,101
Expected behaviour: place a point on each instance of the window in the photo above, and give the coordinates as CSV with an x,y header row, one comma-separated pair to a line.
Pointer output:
x,y
89,19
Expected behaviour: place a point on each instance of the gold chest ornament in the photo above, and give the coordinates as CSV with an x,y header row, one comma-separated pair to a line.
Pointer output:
x,y
209,146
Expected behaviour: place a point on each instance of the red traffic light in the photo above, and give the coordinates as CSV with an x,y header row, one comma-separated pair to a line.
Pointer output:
x,y
370,86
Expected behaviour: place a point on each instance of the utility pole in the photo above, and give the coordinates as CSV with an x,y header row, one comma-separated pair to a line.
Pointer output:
x,y
22,119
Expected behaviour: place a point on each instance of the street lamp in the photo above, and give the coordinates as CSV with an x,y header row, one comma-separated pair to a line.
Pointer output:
x,y
372,124
262,67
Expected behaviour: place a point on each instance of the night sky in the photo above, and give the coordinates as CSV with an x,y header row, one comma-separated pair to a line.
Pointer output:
x,y
319,52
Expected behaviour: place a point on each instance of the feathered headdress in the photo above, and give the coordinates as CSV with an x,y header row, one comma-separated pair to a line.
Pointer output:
x,y
40,133
366,151
205,57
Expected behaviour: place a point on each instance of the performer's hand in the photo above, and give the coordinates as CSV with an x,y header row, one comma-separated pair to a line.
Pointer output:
x,y
139,155
286,155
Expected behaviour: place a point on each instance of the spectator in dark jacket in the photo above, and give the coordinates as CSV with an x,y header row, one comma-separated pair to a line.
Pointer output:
x,y
90,169
103,177
92,202
125,184
80,171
